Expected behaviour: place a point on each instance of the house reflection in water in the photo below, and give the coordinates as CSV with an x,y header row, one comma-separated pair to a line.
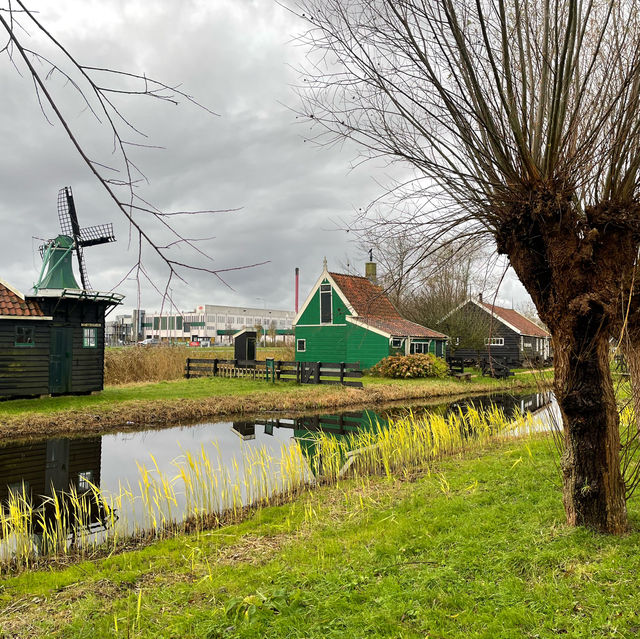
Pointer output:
x,y
341,426
59,467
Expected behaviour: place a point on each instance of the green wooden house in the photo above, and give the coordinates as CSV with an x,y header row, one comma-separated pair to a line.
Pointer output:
x,y
349,318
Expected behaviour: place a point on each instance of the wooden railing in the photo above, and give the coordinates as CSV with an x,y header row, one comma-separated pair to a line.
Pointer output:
x,y
346,374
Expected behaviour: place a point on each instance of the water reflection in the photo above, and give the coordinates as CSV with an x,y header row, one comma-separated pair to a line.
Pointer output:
x,y
64,467
48,475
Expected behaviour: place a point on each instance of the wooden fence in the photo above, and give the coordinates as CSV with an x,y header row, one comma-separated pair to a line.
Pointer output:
x,y
346,374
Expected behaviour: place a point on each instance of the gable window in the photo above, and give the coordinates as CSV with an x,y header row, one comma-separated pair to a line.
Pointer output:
x,y
325,304
25,336
301,345
90,337
494,341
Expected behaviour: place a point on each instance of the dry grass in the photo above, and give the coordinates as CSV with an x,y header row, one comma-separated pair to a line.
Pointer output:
x,y
160,363
136,415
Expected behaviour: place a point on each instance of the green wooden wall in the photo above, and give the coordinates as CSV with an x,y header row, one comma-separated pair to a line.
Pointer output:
x,y
365,346
311,314
324,343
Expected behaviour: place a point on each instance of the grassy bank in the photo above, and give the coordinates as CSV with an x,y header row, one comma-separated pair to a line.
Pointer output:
x,y
130,407
476,548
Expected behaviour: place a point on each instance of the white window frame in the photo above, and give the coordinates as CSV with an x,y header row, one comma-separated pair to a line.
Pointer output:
x,y
494,341
303,343
396,342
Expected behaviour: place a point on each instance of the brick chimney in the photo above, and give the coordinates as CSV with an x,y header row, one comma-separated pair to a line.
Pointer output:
x,y
370,268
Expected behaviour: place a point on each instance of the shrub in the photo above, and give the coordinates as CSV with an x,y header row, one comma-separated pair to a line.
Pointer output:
x,y
410,366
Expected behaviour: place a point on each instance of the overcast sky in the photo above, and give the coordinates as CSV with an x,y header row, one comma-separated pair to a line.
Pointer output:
x,y
236,57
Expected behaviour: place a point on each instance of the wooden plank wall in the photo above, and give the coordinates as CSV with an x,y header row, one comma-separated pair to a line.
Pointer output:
x,y
24,370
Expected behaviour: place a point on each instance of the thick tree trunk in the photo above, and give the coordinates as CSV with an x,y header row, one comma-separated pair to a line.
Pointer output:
x,y
593,486
631,350
574,264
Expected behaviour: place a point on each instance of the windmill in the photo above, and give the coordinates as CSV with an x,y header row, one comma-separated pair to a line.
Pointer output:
x,y
56,253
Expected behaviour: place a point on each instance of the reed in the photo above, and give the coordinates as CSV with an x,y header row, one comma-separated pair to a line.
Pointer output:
x,y
204,492
160,363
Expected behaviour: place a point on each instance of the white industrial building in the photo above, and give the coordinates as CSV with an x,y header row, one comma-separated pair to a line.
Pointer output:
x,y
212,323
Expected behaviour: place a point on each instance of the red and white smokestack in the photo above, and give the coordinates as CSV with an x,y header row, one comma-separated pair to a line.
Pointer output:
x,y
297,287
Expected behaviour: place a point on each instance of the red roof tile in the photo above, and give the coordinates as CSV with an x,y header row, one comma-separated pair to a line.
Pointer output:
x,y
519,322
12,304
400,327
375,309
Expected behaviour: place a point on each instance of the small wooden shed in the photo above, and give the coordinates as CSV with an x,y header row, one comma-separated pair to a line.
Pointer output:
x,y
52,343
349,318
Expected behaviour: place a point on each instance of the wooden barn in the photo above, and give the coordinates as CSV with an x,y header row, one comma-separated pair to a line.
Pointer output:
x,y
349,318
52,343
478,330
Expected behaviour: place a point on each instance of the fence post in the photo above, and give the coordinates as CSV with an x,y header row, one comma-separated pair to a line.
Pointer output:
x,y
341,372
318,365
215,367
298,365
279,368
188,371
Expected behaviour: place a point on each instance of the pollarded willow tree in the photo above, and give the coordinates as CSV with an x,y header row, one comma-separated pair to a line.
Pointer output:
x,y
525,115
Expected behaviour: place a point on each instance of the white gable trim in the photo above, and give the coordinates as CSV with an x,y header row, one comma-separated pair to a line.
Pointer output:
x,y
324,276
12,289
362,324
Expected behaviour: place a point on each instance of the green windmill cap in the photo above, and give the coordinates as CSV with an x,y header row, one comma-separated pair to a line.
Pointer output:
x,y
57,264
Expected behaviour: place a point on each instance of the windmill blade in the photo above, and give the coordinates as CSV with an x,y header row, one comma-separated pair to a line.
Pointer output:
x,y
94,235
86,285
67,213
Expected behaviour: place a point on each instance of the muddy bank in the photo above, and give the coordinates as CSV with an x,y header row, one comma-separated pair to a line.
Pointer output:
x,y
137,415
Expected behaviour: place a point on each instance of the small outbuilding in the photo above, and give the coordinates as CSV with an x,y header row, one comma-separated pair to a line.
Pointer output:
x,y
349,318
52,342
479,330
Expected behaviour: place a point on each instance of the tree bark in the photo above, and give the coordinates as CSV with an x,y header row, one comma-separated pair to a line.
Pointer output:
x,y
574,266
593,486
630,348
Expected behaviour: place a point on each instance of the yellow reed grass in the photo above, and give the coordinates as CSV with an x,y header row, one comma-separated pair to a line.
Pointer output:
x,y
205,492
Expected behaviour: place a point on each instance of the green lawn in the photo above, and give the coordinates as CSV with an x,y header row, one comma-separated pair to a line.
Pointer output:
x,y
476,548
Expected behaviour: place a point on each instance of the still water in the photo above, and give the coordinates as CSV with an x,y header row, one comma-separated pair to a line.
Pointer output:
x,y
114,461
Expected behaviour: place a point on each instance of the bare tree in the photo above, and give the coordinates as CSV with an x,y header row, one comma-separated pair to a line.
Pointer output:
x,y
521,122
35,52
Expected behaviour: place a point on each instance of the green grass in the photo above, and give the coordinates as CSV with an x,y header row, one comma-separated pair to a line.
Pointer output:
x,y
476,549
172,389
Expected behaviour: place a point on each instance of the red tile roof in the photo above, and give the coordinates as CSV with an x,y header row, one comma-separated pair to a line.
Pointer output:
x,y
12,304
375,309
519,322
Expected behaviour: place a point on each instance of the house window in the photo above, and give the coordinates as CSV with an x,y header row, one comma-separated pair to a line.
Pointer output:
x,y
25,336
301,345
396,342
85,479
90,337
419,347
494,341
325,303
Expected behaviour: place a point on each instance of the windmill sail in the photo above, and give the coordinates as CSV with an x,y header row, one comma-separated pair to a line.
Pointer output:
x,y
89,236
